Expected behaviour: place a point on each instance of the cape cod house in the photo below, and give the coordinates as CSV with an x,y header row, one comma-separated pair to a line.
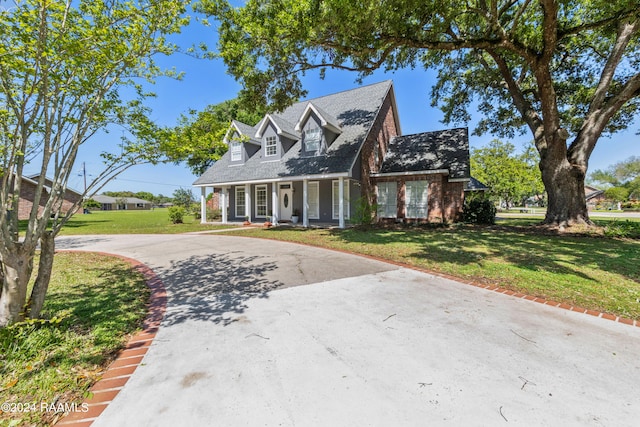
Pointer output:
x,y
316,158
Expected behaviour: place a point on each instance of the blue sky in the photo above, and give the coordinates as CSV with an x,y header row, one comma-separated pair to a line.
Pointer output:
x,y
205,82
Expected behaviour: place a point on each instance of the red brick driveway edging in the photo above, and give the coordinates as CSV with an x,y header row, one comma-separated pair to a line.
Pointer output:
x,y
118,373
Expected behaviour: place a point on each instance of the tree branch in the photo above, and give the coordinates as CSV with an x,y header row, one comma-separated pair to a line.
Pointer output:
x,y
527,112
626,31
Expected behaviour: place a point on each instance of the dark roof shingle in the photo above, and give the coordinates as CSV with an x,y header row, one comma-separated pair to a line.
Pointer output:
x,y
355,111
430,151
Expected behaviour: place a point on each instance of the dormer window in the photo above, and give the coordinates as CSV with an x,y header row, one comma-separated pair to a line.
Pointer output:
x,y
312,138
236,151
270,146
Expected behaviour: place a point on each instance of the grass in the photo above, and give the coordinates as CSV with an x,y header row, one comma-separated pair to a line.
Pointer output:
x,y
92,312
593,272
154,221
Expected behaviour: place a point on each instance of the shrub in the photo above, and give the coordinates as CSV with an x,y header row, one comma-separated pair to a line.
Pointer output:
x,y
92,204
631,206
214,214
364,212
176,214
628,229
479,211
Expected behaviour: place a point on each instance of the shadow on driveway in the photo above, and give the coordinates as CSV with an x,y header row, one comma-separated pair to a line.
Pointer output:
x,y
215,288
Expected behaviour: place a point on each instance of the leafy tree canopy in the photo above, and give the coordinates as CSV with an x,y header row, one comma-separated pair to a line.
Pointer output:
x,y
198,137
624,177
65,68
511,178
183,197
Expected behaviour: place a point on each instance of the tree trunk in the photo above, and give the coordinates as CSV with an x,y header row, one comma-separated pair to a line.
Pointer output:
x,y
41,285
17,267
565,190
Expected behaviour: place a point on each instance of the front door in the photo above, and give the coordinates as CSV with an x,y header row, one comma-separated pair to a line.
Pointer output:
x,y
286,202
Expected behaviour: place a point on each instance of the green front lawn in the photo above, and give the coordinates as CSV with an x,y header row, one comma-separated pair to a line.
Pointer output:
x,y
154,221
598,273
92,311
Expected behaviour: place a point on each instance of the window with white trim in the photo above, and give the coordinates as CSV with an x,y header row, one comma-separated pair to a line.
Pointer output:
x,y
241,201
416,198
335,196
261,201
313,198
270,146
387,199
236,151
312,138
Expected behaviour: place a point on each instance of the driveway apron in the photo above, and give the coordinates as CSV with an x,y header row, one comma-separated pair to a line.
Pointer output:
x,y
264,333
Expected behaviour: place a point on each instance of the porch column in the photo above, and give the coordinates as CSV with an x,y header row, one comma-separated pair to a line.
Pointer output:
x,y
247,201
223,204
275,203
341,202
203,205
305,203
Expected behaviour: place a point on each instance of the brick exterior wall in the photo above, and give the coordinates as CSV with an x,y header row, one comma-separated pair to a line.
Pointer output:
x,y
382,131
27,196
444,200
214,202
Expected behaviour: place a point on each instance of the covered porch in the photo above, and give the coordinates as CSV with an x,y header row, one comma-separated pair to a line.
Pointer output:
x,y
306,201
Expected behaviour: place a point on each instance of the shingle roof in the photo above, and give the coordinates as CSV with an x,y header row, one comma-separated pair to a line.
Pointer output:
x,y
328,120
101,198
475,185
246,130
429,151
355,111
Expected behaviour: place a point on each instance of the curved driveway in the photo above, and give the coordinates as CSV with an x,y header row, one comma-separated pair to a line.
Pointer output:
x,y
364,343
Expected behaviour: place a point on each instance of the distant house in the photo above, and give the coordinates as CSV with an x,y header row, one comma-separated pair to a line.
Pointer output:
x,y
593,196
27,197
122,203
318,157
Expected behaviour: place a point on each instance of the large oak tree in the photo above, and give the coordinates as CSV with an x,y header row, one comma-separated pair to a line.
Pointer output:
x,y
566,71
68,69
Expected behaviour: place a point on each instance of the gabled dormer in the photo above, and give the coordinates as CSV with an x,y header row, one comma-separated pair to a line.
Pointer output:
x,y
276,135
241,144
318,128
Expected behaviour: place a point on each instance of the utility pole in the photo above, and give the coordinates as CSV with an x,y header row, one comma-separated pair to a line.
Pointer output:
x,y
84,174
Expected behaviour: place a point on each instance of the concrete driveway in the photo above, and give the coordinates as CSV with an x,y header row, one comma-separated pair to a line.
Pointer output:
x,y
363,343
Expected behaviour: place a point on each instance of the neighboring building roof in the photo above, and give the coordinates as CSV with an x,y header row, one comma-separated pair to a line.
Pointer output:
x,y
354,111
475,185
33,179
101,198
445,150
593,193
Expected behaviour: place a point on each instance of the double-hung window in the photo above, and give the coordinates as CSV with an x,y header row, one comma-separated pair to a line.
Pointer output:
x,y
270,146
236,151
240,202
312,139
387,199
416,198
261,201
336,199
313,198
